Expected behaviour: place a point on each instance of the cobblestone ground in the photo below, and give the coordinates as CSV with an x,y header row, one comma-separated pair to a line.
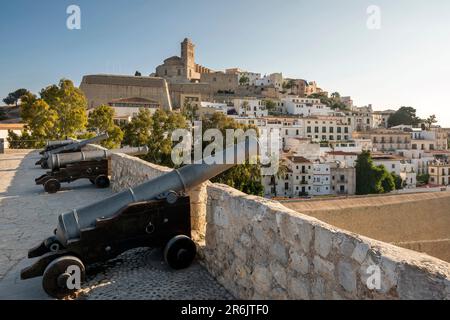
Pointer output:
x,y
28,215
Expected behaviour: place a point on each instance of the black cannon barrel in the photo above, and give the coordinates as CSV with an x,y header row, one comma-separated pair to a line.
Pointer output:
x,y
60,142
77,145
58,160
71,223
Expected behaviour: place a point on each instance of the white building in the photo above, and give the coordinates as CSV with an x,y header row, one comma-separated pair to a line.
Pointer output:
x,y
255,108
347,159
214,106
305,107
320,129
321,179
274,79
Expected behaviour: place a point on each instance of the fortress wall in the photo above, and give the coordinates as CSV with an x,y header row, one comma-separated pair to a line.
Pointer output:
x,y
103,89
260,249
416,221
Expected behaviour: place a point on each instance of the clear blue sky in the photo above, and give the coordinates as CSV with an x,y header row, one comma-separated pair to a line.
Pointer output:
x,y
406,62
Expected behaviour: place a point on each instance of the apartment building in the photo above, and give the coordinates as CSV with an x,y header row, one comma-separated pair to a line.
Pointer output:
x,y
439,172
305,107
327,129
255,108
343,179
386,140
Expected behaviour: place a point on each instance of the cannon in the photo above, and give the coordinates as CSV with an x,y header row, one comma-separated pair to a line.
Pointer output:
x,y
51,145
153,214
63,147
92,165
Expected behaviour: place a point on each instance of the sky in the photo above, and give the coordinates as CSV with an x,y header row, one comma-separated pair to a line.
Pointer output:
x,y
403,63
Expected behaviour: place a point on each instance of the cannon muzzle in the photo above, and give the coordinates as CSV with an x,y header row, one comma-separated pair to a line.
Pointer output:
x,y
56,161
71,223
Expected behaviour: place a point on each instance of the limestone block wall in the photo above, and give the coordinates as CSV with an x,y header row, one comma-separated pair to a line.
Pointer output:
x,y
259,249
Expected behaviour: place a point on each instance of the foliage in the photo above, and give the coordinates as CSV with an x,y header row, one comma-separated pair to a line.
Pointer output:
x,y
244,81
14,97
245,177
334,102
423,179
271,106
430,121
398,181
371,179
23,141
137,132
70,105
2,114
404,116
40,118
101,121
137,74
160,143
190,111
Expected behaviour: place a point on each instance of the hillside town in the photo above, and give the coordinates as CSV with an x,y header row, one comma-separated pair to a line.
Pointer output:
x,y
322,133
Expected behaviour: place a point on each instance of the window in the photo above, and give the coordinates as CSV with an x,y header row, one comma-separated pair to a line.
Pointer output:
x,y
346,130
179,72
339,130
316,129
331,138
331,130
286,186
324,129
308,130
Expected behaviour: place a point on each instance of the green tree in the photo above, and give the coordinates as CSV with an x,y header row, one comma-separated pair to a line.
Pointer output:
x,y
2,114
271,106
244,81
190,111
398,181
404,116
160,143
334,102
138,131
14,97
100,121
423,179
371,179
41,119
70,105
430,121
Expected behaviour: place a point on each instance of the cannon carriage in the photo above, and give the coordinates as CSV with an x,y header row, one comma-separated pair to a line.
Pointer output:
x,y
65,146
91,165
153,214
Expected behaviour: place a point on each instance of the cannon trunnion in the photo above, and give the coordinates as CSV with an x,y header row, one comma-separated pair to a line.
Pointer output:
x,y
96,171
161,223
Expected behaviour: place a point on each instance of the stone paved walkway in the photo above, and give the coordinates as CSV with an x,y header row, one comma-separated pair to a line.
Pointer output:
x,y
28,215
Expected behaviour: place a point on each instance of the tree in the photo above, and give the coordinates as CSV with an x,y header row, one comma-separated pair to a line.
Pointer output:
x,y
2,114
271,106
70,105
371,179
430,121
334,102
398,181
100,121
404,116
137,74
422,179
190,111
244,81
160,143
41,119
14,97
138,131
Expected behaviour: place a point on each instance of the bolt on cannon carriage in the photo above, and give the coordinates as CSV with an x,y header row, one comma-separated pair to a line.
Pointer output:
x,y
65,146
92,165
153,214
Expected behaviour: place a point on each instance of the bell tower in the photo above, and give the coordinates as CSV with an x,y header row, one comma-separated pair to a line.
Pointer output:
x,y
188,57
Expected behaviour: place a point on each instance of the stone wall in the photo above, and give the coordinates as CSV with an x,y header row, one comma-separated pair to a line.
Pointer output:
x,y
415,221
259,249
